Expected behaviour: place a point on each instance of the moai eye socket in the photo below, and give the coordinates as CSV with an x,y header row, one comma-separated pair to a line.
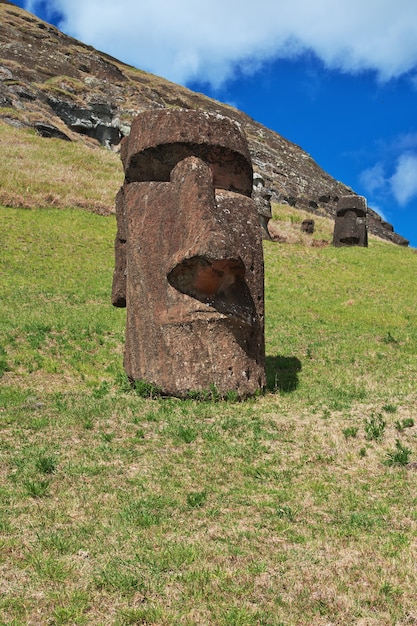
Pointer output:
x,y
164,138
229,168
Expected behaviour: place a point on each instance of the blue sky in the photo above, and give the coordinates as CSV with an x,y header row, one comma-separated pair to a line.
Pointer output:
x,y
336,77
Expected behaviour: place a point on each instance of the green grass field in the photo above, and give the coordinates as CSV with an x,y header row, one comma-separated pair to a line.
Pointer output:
x,y
297,508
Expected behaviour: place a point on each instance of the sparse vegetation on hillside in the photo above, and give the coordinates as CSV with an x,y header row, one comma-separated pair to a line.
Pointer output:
x,y
286,226
37,172
297,508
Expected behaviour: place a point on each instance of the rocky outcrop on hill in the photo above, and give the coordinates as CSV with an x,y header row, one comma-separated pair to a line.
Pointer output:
x,y
63,88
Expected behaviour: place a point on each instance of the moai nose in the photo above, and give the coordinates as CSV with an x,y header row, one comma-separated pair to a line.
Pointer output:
x,y
207,265
193,179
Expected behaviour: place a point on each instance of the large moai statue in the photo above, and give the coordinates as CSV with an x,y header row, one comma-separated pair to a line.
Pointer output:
x,y
350,226
189,260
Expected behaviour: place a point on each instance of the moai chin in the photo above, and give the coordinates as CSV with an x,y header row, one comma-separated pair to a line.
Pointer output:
x,y
350,227
189,261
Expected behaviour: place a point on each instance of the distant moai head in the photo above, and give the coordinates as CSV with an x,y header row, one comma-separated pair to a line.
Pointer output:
x,y
307,226
262,197
350,227
189,261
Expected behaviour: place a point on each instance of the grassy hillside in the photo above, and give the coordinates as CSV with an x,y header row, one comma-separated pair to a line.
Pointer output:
x,y
295,508
49,172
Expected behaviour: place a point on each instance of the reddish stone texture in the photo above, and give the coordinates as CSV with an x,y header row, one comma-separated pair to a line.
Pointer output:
x,y
189,260
350,227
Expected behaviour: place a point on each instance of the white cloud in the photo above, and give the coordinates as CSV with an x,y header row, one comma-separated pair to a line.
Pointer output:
x,y
185,39
406,142
373,179
402,184
404,180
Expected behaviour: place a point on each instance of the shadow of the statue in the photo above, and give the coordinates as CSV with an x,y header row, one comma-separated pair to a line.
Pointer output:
x,y
282,373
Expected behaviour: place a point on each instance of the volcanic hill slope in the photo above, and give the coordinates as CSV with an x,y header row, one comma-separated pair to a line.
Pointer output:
x,y
64,88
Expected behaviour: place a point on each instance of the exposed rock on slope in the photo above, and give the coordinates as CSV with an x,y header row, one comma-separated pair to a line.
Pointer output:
x,y
66,89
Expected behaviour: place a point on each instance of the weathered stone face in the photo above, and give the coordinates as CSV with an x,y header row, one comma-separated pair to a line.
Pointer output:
x,y
189,256
307,226
262,198
350,227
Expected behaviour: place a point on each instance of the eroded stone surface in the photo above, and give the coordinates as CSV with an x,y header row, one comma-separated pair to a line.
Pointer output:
x,y
307,226
350,227
262,197
189,263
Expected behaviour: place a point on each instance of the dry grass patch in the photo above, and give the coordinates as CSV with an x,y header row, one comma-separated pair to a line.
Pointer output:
x,y
39,172
285,227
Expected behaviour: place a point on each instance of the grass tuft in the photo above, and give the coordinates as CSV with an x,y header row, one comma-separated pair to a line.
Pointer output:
x,y
400,456
374,427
